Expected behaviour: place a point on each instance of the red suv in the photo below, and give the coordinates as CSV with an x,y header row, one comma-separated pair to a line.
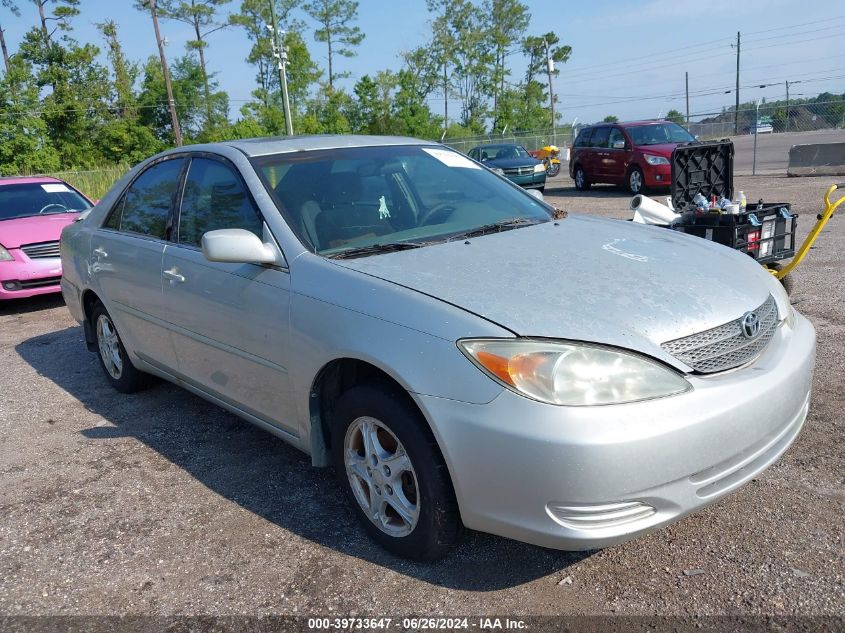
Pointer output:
x,y
632,154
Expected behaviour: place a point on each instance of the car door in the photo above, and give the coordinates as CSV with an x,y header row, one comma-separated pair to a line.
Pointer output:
x,y
618,156
599,154
126,257
229,321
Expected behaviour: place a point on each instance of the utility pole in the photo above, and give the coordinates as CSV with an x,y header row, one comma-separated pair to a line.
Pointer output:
x,y
174,119
550,68
786,127
280,52
736,112
686,77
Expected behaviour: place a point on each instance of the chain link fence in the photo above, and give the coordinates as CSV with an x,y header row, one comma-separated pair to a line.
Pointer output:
x,y
768,118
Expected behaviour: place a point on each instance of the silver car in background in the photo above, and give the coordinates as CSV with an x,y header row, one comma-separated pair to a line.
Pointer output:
x,y
460,352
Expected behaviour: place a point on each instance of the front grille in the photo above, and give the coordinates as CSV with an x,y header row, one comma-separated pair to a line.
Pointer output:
x,y
41,283
518,171
41,250
725,347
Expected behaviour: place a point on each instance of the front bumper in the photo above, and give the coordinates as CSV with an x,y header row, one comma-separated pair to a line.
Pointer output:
x,y
529,181
23,277
581,478
657,175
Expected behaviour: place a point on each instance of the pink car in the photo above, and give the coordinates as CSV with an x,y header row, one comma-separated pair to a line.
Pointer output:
x,y
33,212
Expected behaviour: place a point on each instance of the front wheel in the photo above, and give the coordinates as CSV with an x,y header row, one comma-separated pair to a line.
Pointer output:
x,y
636,181
393,473
553,170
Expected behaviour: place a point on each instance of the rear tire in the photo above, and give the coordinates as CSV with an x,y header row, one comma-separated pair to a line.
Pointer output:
x,y
393,474
119,370
580,178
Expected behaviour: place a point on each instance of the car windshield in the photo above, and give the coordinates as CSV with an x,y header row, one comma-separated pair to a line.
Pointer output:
x,y
499,152
659,133
348,199
27,199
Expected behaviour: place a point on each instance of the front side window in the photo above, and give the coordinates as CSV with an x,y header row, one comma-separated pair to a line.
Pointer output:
x,y
616,137
351,198
25,200
146,205
214,198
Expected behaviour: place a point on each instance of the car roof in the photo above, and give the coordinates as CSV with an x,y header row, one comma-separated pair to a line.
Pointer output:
x,y
627,124
497,145
287,144
22,180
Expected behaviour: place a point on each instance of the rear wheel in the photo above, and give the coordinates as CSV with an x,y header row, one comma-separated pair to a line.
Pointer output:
x,y
636,181
119,370
580,178
393,473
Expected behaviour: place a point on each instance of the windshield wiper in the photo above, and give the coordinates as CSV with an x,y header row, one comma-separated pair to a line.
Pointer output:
x,y
389,247
495,227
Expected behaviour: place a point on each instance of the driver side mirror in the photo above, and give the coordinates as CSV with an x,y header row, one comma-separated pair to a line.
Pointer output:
x,y
618,144
236,246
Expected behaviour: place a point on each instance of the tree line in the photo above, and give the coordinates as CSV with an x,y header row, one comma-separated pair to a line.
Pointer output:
x,y
63,104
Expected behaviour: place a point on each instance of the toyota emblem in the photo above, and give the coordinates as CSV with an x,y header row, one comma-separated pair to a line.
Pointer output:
x,y
750,325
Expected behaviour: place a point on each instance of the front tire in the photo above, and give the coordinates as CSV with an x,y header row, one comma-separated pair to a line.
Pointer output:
x,y
119,370
553,170
391,469
636,181
580,178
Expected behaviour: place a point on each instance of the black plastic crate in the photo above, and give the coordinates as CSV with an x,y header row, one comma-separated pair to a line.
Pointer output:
x,y
766,234
704,167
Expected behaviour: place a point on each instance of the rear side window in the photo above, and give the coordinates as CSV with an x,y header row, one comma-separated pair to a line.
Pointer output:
x,y
600,137
214,198
583,138
146,205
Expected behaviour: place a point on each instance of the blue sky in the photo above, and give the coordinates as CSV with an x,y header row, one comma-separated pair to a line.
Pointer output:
x,y
629,57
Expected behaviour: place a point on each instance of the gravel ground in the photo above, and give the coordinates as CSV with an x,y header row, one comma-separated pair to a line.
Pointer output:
x,y
159,503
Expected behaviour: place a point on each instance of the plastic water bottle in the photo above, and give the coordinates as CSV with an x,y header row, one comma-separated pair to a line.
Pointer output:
x,y
742,201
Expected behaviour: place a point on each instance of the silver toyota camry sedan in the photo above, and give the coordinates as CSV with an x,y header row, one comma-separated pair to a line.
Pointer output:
x,y
460,352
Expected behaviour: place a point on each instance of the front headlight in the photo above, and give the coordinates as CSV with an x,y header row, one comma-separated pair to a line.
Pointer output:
x,y
651,159
539,168
573,374
5,256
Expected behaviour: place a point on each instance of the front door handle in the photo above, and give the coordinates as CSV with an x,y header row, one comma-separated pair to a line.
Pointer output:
x,y
99,252
174,276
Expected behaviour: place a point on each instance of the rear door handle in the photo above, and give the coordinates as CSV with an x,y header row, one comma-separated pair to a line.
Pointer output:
x,y
99,252
174,276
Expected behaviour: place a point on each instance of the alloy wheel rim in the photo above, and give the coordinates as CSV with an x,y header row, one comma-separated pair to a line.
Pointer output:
x,y
579,178
636,181
382,476
109,344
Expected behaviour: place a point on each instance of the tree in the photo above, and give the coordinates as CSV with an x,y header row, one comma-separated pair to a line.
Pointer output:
x,y
202,17
25,145
335,30
410,114
13,9
675,117
610,118
541,50
125,72
63,11
507,22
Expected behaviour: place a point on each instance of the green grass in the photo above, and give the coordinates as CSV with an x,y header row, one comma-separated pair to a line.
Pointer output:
x,y
93,183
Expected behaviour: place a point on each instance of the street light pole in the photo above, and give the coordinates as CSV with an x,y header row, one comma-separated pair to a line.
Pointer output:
x,y
280,52
756,125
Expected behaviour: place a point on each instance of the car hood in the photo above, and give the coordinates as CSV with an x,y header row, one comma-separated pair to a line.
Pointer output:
x,y
664,149
38,228
587,279
507,163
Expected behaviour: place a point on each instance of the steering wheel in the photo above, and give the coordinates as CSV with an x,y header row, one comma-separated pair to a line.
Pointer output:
x,y
445,209
52,204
